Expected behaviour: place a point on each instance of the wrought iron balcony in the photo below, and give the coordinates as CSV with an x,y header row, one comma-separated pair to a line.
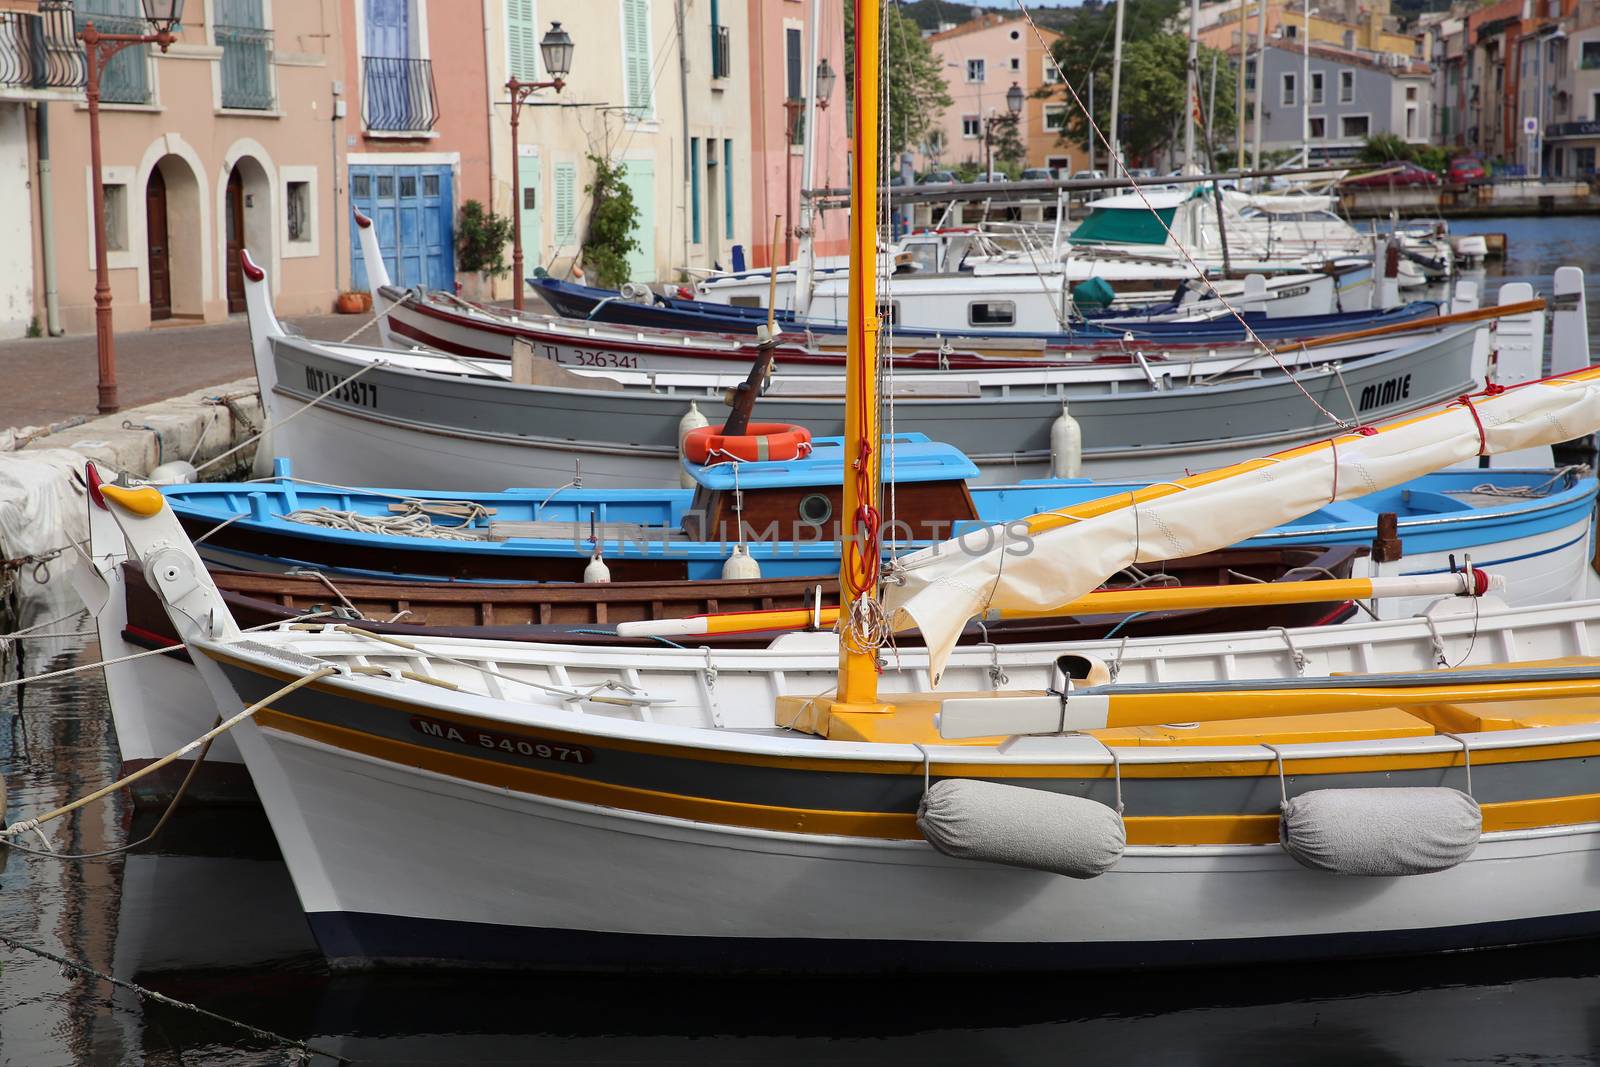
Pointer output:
x,y
39,51
246,66
397,95
721,53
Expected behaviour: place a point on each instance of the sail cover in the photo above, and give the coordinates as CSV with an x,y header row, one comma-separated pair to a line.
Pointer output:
x,y
1048,559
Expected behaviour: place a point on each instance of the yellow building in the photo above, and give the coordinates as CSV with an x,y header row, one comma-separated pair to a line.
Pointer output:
x,y
1350,26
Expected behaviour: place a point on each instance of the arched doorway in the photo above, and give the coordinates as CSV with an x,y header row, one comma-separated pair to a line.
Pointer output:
x,y
247,221
157,249
173,252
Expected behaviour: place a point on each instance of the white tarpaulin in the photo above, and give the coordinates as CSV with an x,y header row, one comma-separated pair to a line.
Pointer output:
x,y
1054,557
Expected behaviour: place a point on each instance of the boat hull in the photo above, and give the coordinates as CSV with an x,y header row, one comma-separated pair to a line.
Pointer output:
x,y
464,433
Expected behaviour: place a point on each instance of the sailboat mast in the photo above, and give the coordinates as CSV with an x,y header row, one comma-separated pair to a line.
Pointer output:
x,y
859,555
1112,169
806,265
1193,79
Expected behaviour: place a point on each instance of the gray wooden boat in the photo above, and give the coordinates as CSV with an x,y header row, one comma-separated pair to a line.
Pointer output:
x,y
429,420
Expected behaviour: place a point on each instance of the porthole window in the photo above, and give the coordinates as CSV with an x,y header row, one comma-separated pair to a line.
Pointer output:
x,y
815,509
991,313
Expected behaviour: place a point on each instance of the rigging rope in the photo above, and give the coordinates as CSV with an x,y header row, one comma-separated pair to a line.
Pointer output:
x,y
1188,257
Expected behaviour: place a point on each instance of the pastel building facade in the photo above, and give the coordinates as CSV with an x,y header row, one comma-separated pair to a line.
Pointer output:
x,y
982,58
229,140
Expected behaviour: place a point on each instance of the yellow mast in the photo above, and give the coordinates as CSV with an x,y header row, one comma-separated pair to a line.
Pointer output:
x,y
859,558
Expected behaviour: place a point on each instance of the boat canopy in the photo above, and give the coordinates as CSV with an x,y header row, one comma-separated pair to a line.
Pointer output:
x,y
1298,203
1124,224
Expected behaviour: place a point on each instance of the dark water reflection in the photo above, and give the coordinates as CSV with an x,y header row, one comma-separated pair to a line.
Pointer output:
x,y
209,916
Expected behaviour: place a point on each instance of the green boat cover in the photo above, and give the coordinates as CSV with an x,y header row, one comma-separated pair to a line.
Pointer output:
x,y
1124,226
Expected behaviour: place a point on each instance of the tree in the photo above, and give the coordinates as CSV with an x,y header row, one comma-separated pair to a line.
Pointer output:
x,y
1005,141
481,239
1392,148
1154,85
611,223
917,92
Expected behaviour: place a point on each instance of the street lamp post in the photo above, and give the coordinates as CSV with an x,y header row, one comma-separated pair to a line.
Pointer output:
x,y
793,108
98,48
556,49
1014,100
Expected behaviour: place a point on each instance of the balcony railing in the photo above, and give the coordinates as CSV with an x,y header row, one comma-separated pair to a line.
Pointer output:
x,y
246,66
397,95
721,52
40,51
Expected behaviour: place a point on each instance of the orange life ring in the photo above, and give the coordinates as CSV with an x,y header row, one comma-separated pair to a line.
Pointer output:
x,y
760,441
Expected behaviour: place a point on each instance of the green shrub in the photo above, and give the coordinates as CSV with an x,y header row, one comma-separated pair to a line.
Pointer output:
x,y
612,222
481,239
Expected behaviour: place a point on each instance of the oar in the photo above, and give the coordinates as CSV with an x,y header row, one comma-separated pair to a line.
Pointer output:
x,y
1116,706
1110,602
1454,319
742,397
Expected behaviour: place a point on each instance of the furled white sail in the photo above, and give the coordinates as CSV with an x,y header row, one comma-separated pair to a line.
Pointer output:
x,y
1051,558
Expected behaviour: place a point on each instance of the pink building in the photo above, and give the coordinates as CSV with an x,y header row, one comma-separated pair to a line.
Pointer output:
x,y
418,135
780,69
982,58
230,139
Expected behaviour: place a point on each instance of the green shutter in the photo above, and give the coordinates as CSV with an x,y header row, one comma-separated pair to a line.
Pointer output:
x,y
522,40
636,58
727,186
566,204
694,189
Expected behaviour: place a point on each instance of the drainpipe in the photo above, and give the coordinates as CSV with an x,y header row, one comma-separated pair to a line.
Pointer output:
x,y
47,212
488,73
688,178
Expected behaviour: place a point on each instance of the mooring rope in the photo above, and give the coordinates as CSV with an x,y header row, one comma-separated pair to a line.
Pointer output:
x,y
306,1050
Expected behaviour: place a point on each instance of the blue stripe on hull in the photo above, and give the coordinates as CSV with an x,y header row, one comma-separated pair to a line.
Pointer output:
x,y
356,940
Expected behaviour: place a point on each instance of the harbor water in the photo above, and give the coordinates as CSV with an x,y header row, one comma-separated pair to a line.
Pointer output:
x,y
206,915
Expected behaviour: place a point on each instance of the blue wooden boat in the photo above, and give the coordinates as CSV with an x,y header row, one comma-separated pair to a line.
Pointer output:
x,y
1532,525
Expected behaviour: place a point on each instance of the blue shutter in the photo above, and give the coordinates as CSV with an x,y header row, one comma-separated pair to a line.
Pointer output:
x,y
727,188
694,189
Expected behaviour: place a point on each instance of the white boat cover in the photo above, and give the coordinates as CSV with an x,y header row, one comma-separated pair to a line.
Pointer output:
x,y
1282,205
1381,833
1042,562
1031,828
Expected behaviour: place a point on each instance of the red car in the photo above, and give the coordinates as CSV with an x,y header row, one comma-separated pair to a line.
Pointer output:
x,y
1398,175
1467,170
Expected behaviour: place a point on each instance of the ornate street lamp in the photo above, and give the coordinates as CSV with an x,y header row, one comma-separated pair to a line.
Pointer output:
x,y
556,49
825,80
1014,101
164,17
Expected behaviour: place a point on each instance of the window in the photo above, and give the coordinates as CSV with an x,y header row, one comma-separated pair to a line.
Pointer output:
x,y
794,63
1347,86
297,202
1351,126
1055,116
430,185
1589,59
975,70
694,189
408,186
1319,127
240,31
991,313
522,40
116,217
386,187
1016,63
125,79
566,204
1316,87
361,186
971,127
1290,30
636,59
1052,73
1287,97
1250,75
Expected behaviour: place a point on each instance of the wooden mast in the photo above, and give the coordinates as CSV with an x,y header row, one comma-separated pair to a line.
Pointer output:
x,y
859,558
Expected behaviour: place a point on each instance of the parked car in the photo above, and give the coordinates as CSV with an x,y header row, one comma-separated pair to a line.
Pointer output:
x,y
939,177
1399,175
1089,176
1038,174
1467,170
993,176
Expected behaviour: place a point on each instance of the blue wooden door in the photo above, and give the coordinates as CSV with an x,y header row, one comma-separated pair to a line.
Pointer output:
x,y
413,211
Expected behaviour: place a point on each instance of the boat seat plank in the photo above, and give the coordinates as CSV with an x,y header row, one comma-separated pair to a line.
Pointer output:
x,y
509,529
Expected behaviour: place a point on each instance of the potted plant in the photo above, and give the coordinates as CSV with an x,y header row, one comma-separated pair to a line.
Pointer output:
x,y
353,302
481,239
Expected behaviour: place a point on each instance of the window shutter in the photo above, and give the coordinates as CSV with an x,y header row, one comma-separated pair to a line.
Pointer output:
x,y
636,46
566,203
522,40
